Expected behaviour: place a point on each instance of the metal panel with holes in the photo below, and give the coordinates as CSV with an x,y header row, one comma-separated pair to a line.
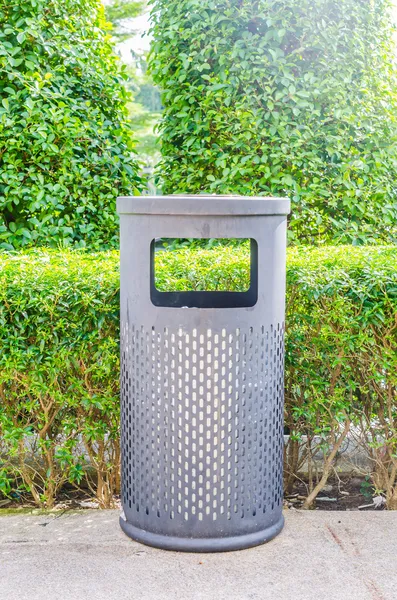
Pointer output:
x,y
202,388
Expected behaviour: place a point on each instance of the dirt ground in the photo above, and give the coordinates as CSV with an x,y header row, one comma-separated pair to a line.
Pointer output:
x,y
348,493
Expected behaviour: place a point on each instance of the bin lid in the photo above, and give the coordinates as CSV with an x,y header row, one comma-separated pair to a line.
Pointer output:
x,y
202,204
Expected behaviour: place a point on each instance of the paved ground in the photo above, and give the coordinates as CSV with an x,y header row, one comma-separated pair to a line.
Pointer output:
x,y
85,556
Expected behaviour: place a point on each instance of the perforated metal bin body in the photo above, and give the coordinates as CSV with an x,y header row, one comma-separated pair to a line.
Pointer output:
x,y
202,388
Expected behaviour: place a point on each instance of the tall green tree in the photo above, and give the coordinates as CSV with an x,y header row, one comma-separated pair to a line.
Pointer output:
x,y
283,97
66,150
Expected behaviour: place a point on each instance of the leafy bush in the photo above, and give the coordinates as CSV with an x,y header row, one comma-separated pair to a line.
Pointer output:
x,y
59,365
286,97
59,371
341,359
66,149
180,269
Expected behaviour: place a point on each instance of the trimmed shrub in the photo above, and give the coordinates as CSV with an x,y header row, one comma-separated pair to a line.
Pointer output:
x,y
286,97
59,366
59,380
66,149
341,360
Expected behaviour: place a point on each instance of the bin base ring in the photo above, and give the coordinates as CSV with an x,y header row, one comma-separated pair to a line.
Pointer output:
x,y
218,544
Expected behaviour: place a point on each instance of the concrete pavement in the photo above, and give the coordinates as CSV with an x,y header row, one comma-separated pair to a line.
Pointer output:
x,y
84,556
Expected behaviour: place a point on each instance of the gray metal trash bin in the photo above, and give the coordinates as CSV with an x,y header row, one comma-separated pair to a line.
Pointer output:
x,y
202,380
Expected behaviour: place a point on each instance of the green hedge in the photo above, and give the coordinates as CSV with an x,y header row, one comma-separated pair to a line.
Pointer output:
x,y
66,146
59,364
283,97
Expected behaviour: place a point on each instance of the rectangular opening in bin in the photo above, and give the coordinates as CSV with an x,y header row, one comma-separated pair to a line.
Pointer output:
x,y
192,272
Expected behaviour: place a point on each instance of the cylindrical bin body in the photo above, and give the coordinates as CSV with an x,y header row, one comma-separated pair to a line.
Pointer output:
x,y
202,380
